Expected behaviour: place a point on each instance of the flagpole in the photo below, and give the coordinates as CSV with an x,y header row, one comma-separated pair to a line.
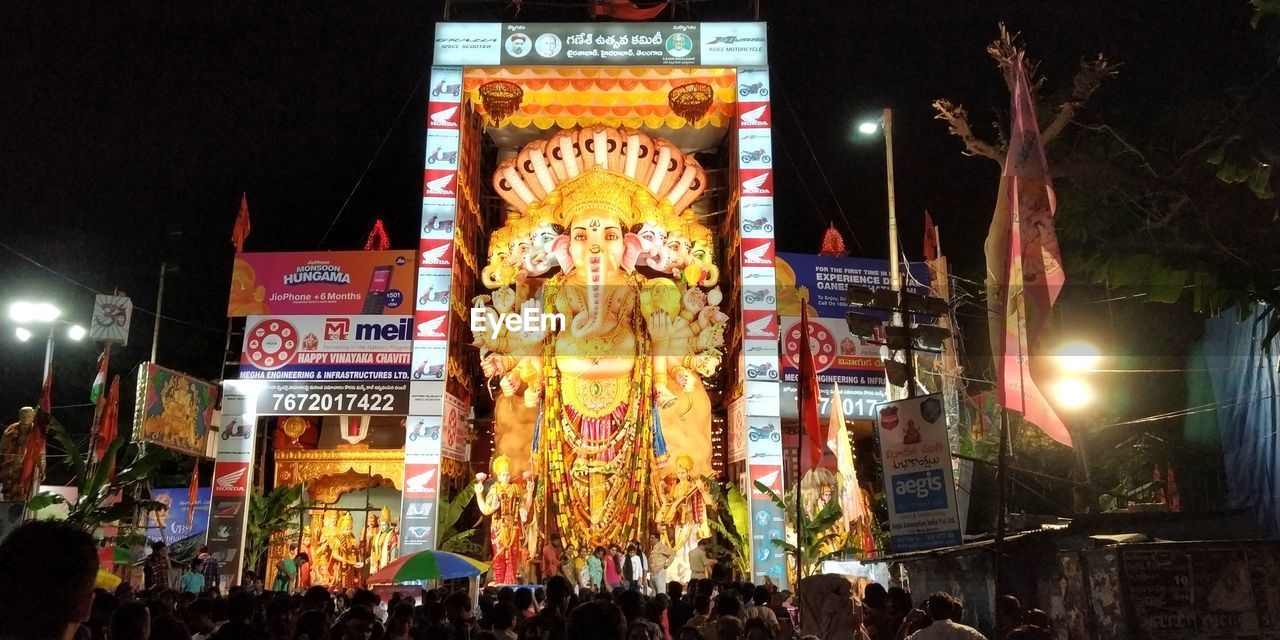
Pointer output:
x,y
895,278
155,332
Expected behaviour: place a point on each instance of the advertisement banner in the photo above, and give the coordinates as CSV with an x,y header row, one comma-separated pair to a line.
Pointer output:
x,y
601,43
232,478
328,398
322,282
423,437
327,348
737,418
916,458
828,277
171,525
454,441
839,358
173,410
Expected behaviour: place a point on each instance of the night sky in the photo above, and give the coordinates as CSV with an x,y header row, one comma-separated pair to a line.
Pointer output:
x,y
129,131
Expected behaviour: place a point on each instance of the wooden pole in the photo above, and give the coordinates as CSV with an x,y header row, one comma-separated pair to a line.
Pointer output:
x,y
155,332
1002,482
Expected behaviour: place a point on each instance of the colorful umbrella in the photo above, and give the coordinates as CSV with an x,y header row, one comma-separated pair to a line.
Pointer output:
x,y
428,565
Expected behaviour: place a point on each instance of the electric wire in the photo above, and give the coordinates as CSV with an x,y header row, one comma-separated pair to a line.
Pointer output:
x,y
421,76
91,289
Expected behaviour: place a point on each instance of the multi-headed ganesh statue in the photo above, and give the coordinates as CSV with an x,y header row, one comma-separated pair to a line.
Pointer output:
x,y
601,234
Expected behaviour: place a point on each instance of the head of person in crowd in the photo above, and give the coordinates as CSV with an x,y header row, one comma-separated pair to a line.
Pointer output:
x,y
875,596
132,621
596,620
940,605
47,571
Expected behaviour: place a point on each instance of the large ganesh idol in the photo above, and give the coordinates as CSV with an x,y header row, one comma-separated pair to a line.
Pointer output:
x,y
601,233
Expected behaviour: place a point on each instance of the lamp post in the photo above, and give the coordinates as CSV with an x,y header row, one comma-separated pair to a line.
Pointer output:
x,y
42,313
1073,395
869,128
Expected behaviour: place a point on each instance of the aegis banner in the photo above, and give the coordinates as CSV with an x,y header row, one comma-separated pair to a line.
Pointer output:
x,y
916,456
327,347
322,282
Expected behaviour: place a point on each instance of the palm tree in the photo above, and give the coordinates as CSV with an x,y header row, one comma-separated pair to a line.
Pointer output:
x,y
99,485
276,512
733,523
818,535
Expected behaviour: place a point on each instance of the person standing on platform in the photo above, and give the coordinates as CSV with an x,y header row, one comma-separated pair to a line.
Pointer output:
x,y
192,581
699,564
595,566
210,569
155,573
660,555
287,573
551,557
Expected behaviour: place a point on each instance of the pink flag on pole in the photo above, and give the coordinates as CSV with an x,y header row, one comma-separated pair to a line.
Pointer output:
x,y
1034,274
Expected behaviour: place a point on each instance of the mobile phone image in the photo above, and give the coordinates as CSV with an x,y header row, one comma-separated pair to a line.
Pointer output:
x,y
375,299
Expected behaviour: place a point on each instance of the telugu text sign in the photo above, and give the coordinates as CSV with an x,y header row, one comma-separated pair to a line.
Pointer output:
x,y
600,43
916,457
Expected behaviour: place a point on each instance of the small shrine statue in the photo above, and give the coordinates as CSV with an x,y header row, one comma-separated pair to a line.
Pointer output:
x,y
345,565
509,505
383,540
683,512
372,550
13,449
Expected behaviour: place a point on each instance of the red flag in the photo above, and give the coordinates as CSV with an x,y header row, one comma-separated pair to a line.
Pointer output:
x,y
930,238
34,453
1033,275
240,232
109,426
807,391
193,492
627,10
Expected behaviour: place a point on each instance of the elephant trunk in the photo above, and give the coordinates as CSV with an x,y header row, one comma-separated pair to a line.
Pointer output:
x,y
590,321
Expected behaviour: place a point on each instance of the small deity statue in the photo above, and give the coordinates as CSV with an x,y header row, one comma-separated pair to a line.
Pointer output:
x,y
13,450
372,551
344,567
509,505
382,541
683,512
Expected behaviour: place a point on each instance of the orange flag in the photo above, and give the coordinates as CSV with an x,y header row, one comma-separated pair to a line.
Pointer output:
x,y
109,425
930,238
193,492
240,232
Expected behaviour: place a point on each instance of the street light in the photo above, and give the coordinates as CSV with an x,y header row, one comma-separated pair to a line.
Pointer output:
x,y
1072,394
1077,356
868,128
44,313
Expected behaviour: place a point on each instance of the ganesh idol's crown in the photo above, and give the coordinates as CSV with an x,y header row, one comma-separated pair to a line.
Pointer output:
x,y
621,171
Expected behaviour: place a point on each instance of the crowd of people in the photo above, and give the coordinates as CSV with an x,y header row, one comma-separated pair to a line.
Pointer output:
x,y
48,572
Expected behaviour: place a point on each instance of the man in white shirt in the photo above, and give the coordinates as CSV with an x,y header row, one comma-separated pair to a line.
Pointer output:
x,y
660,555
940,607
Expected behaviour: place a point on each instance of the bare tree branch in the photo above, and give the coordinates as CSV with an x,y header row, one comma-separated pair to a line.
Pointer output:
x,y
1088,78
958,125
